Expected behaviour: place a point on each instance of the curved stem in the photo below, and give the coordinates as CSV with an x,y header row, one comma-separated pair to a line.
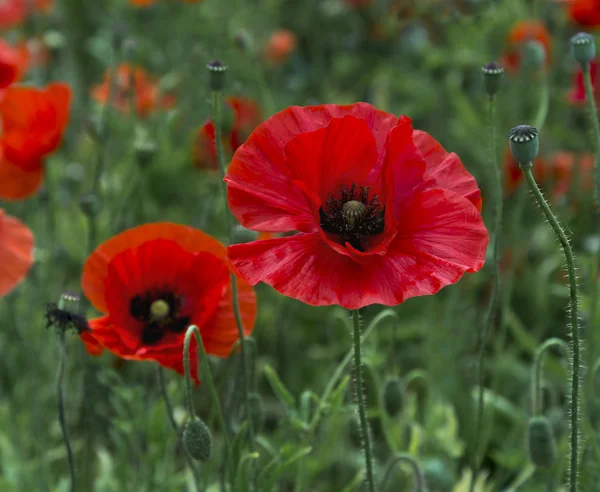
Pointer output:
x,y
536,388
418,475
360,400
171,415
216,107
60,372
493,307
564,241
589,97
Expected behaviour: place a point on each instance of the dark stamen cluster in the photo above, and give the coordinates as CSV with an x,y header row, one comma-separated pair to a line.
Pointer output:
x,y
353,229
64,320
140,307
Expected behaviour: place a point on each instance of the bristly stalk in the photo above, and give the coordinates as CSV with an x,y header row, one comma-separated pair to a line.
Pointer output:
x,y
492,74
60,372
360,400
217,72
575,342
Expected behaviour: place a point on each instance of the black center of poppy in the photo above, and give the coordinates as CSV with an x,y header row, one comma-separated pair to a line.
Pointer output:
x,y
160,312
352,216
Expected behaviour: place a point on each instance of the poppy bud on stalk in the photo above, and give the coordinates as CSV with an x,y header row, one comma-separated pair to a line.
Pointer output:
x,y
197,439
524,145
583,48
541,444
492,78
393,396
217,75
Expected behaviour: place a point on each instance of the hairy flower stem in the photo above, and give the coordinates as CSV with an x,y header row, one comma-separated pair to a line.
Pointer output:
x,y
494,301
536,389
217,121
60,398
593,112
575,349
175,427
360,400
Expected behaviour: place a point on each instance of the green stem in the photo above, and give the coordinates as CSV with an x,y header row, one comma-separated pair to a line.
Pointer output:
x,y
217,121
494,301
360,400
60,372
536,388
564,241
418,476
174,426
589,96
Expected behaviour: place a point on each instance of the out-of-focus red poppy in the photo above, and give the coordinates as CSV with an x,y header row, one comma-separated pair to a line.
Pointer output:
x,y
584,12
12,64
384,212
280,46
155,280
132,84
43,6
513,176
521,33
12,13
33,122
245,116
147,3
577,93
16,252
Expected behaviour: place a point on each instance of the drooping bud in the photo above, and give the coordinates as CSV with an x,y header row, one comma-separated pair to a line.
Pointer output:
x,y
217,72
394,396
541,445
524,145
493,74
197,439
583,47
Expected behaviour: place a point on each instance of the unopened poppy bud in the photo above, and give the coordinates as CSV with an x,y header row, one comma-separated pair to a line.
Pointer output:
x,y
197,439
394,396
216,71
541,444
524,145
257,413
145,150
534,55
492,78
90,204
583,47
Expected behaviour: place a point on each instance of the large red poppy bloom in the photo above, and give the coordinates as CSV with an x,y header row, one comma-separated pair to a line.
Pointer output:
x,y
245,116
155,280
16,252
521,33
384,212
33,122
584,12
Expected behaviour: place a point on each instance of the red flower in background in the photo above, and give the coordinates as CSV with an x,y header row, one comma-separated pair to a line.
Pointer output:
x,y
155,280
244,116
577,93
12,13
16,252
521,33
384,212
33,122
280,46
584,12
131,83
12,64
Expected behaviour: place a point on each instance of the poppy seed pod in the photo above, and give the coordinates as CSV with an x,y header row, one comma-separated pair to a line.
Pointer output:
x,y
583,48
492,78
197,439
524,145
216,71
541,445
393,396
534,55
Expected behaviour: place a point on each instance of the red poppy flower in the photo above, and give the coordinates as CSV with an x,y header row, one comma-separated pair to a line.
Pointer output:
x,y
384,212
244,117
12,64
33,122
132,83
521,33
155,280
577,93
584,12
16,252
566,166
280,46
12,13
